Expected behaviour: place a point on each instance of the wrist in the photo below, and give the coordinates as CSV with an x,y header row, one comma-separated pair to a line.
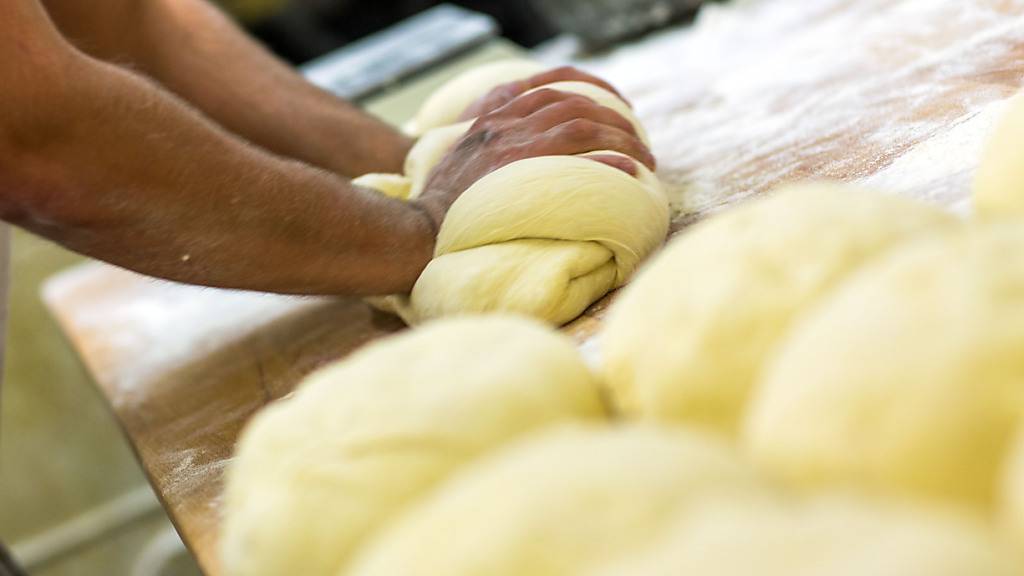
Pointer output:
x,y
431,213
383,151
422,236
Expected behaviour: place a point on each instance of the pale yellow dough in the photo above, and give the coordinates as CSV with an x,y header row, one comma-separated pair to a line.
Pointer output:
x,y
827,536
908,379
1011,511
688,338
543,237
999,184
558,503
447,103
315,476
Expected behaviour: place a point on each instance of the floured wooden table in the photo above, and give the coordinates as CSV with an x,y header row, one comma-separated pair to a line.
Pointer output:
x,y
898,95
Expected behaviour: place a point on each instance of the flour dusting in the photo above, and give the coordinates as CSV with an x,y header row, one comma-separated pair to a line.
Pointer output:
x,y
759,93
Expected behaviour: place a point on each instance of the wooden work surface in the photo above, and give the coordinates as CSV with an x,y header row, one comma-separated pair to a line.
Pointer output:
x,y
895,94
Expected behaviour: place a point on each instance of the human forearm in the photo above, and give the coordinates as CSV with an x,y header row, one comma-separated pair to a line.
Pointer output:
x,y
127,173
196,52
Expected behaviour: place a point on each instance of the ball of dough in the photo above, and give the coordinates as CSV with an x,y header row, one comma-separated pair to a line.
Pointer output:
x,y
829,536
544,237
907,379
447,103
689,336
316,475
557,503
999,184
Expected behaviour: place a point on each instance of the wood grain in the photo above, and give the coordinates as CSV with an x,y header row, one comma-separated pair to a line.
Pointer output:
x,y
896,95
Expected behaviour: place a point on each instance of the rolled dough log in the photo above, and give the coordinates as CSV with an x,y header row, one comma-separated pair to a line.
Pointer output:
x,y
687,339
907,379
544,237
558,503
316,475
999,185
828,536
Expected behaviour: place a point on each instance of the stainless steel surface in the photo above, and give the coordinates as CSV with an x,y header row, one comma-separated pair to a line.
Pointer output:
x,y
387,57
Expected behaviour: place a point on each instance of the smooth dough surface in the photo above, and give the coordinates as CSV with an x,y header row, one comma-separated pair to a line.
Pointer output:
x,y
687,339
316,475
827,536
447,103
538,237
908,379
544,237
1011,512
999,184
558,503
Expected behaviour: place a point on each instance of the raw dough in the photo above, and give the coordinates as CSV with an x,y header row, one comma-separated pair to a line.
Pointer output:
x,y
447,103
999,186
544,237
828,536
1012,485
908,379
317,474
558,503
688,338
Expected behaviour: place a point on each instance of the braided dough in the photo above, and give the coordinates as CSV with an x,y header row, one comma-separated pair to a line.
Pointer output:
x,y
545,237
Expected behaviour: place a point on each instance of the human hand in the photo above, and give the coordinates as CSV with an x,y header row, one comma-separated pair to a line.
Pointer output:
x,y
505,93
542,123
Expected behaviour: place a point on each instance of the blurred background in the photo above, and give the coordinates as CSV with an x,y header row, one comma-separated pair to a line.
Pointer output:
x,y
73,500
300,30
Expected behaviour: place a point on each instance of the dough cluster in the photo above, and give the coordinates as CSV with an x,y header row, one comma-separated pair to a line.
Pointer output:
x,y
824,382
481,446
843,338
543,237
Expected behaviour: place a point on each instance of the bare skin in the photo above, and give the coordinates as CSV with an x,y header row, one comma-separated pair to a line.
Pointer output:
x,y
219,166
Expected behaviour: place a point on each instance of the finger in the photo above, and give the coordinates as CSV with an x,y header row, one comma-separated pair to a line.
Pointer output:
x,y
577,106
627,165
581,135
494,99
570,74
527,104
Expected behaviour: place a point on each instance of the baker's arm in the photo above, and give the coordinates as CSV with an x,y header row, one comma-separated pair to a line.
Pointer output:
x,y
192,49
109,164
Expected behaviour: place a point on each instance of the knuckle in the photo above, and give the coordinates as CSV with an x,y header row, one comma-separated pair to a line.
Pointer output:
x,y
581,129
482,123
544,94
538,98
566,71
577,105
